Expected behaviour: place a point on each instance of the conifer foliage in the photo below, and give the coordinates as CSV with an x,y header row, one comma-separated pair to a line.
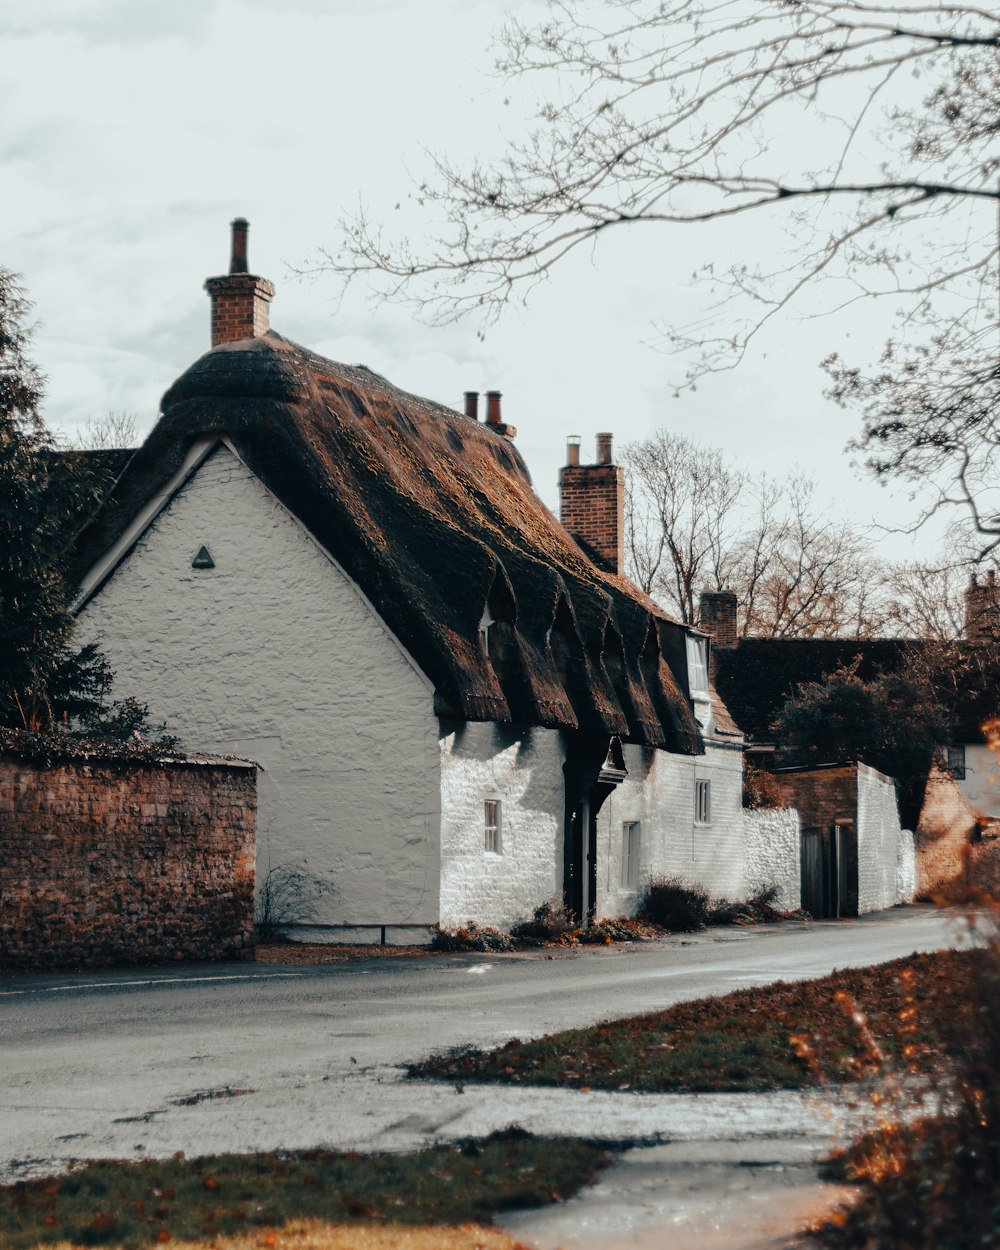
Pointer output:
x,y
46,495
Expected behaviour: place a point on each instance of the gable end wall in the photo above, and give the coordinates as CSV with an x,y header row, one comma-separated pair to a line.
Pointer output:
x,y
276,656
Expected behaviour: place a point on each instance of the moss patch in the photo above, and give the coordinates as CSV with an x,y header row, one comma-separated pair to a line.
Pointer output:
x,y
134,1205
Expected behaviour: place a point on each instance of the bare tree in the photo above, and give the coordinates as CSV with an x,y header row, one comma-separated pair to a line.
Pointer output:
x,y
926,600
694,521
680,517
679,111
113,431
675,111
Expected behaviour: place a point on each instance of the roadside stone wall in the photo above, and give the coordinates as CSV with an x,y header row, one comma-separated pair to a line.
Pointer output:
x,y
773,853
108,862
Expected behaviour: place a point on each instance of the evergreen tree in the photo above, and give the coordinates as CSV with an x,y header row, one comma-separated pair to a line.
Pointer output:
x,y
46,495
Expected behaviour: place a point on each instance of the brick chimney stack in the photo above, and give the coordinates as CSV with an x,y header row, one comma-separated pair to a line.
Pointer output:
x,y
717,616
592,503
239,299
982,609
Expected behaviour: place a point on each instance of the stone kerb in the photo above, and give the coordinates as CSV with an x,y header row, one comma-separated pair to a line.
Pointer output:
x,y
115,861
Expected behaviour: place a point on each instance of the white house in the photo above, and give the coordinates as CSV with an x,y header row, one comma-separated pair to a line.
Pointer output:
x,y
461,708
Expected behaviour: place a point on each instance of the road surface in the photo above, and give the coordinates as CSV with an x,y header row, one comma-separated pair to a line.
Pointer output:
x,y
206,1058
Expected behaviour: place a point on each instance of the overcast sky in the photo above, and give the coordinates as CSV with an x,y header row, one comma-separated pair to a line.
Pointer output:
x,y
134,131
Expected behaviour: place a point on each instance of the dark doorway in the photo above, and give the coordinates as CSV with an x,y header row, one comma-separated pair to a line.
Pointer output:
x,y
829,872
593,768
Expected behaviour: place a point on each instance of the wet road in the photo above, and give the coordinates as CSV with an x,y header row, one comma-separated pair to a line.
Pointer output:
x,y
241,1057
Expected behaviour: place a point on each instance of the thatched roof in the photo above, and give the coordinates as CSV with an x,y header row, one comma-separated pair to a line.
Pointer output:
x,y
434,516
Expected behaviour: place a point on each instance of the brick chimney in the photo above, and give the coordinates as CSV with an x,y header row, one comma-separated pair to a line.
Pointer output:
x,y
717,616
239,299
982,609
592,503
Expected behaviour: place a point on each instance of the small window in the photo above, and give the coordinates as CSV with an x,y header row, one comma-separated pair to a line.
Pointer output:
x,y
955,762
494,833
702,802
630,855
697,662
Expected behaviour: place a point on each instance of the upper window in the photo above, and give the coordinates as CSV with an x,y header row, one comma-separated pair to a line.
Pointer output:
x,y
697,662
955,762
702,802
493,827
629,879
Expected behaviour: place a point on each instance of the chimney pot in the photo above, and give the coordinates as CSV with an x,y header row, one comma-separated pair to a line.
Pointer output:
x,y
493,407
604,442
573,450
238,252
472,405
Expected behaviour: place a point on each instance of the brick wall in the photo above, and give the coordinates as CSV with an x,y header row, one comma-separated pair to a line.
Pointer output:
x,y
944,831
120,862
821,796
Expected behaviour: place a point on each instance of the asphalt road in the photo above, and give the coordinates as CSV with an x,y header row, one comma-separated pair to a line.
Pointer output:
x,y
241,1057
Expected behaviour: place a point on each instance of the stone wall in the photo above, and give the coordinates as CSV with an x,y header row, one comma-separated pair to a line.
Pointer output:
x,y
119,862
773,853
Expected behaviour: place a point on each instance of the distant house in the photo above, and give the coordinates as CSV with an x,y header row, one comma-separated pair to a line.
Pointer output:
x,y
847,829
461,708
756,676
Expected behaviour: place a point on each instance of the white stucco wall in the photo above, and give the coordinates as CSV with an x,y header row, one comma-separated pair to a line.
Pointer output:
x,y
774,850
276,656
981,784
523,769
878,833
660,793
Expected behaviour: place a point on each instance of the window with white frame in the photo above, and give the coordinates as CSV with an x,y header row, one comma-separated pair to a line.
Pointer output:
x,y
631,835
697,664
493,827
702,802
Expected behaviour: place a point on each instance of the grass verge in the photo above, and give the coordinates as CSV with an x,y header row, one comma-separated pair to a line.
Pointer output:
x,y
781,1036
298,1198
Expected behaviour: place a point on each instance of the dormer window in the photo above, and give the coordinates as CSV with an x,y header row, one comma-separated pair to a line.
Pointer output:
x,y
697,666
484,627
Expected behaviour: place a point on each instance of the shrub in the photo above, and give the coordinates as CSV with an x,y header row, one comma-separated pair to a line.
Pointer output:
x,y
614,929
471,937
550,921
680,908
760,790
759,908
286,897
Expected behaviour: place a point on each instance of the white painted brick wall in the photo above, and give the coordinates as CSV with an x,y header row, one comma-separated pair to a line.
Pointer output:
x,y
774,851
878,840
524,770
906,867
660,794
275,655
